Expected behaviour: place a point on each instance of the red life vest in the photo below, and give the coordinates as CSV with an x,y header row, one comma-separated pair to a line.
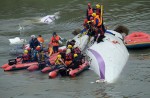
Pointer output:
x,y
69,56
26,57
54,40
90,11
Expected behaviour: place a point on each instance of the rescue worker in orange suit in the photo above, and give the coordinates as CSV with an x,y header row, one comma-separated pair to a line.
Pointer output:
x,y
98,28
55,42
40,39
89,11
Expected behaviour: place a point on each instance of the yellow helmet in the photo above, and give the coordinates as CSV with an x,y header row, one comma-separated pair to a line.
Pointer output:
x,y
94,14
69,46
58,56
75,55
98,6
25,51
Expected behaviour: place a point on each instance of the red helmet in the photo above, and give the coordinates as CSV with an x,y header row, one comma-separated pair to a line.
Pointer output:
x,y
38,48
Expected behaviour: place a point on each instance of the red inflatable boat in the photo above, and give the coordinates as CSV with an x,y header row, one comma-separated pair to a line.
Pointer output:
x,y
19,66
137,40
11,62
72,73
81,68
36,67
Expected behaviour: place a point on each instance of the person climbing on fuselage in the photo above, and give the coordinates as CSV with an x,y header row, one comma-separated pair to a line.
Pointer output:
x,y
89,11
98,28
55,42
97,10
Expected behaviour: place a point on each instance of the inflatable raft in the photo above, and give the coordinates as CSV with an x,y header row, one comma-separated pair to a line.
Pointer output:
x,y
72,73
36,67
137,40
19,66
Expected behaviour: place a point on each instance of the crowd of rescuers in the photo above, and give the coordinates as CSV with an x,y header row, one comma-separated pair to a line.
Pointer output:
x,y
93,23
70,58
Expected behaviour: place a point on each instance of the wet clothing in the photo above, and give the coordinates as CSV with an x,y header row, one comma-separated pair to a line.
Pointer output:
x,y
34,43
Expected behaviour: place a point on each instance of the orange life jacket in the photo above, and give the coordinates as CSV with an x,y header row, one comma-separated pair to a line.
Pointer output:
x,y
40,39
97,17
54,40
50,51
90,11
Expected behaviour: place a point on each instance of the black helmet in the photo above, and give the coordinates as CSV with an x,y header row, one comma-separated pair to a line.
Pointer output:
x,y
54,33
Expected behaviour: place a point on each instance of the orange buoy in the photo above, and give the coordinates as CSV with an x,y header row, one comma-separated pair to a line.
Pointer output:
x,y
33,67
53,74
46,69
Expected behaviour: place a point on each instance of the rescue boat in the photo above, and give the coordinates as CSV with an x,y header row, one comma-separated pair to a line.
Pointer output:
x,y
19,66
137,40
71,72
36,67
81,68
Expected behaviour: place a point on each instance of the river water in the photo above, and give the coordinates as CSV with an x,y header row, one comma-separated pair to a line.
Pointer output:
x,y
134,81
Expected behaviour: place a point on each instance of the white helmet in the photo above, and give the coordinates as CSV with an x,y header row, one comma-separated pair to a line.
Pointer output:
x,y
68,51
32,36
